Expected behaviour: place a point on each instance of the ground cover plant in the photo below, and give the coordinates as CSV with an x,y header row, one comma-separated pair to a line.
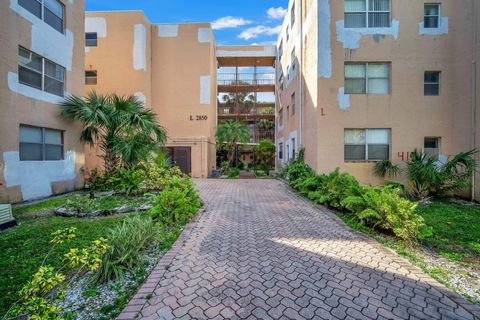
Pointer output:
x,y
134,241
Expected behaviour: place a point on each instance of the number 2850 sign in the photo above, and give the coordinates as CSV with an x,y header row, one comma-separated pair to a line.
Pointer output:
x,y
198,118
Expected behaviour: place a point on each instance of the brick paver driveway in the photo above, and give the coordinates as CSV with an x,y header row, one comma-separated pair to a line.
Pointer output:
x,y
261,252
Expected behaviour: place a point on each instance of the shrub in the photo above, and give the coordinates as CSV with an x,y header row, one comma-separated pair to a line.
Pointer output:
x,y
265,153
296,171
81,204
177,203
385,169
233,173
334,188
383,207
126,242
430,177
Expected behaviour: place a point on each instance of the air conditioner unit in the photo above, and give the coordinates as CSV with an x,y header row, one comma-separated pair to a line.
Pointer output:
x,y
6,216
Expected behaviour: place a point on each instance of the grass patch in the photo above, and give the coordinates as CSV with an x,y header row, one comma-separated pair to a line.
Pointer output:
x,y
23,247
456,229
40,207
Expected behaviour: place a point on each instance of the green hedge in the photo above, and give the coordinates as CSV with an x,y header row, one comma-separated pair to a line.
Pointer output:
x,y
376,207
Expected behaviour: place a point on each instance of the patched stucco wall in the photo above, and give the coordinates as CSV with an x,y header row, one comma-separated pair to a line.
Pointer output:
x,y
21,104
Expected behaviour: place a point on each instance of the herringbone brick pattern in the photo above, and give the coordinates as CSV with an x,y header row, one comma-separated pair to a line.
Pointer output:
x,y
261,252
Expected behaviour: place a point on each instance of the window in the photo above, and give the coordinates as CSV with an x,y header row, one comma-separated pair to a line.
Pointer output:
x,y
293,103
280,151
293,148
226,110
280,50
367,144
50,11
367,78
280,118
40,73
287,34
431,17
288,151
431,148
432,83
367,13
288,112
39,144
288,72
91,39
292,15
91,77
292,58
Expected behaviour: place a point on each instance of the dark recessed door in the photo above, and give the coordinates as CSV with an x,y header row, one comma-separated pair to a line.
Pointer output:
x,y
182,157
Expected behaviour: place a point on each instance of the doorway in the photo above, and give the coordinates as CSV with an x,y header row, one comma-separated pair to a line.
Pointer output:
x,y
181,157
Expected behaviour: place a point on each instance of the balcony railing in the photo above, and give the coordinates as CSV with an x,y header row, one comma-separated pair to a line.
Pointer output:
x,y
241,109
245,79
258,135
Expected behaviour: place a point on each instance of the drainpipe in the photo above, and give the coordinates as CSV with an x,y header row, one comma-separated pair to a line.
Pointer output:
x,y
474,90
300,129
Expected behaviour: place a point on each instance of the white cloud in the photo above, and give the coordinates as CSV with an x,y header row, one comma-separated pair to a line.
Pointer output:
x,y
257,31
276,13
265,43
229,22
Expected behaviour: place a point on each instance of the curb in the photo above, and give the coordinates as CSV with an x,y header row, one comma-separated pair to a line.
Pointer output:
x,y
138,301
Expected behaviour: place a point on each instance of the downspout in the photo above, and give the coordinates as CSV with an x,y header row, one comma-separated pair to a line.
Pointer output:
x,y
474,90
300,129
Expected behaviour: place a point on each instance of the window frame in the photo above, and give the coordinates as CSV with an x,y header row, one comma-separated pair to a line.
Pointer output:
x,y
43,144
43,73
280,151
366,64
91,77
280,118
292,15
389,130
293,57
293,103
367,15
425,83
425,16
91,40
43,6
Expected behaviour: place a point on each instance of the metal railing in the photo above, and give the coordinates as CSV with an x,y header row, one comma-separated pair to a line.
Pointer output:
x,y
243,109
245,79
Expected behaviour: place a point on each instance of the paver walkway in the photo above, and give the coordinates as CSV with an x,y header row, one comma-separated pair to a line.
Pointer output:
x,y
261,252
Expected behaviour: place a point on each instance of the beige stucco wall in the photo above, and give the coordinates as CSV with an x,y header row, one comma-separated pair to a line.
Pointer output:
x,y
26,180
406,111
177,57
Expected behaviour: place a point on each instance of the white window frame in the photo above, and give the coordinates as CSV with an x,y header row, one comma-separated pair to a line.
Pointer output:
x,y
366,145
367,11
43,74
42,12
439,21
43,144
389,65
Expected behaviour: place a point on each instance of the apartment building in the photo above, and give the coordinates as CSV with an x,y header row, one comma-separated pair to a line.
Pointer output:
x,y
170,67
359,81
41,60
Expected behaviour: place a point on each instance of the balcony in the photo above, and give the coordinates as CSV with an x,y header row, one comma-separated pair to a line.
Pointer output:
x,y
246,112
246,82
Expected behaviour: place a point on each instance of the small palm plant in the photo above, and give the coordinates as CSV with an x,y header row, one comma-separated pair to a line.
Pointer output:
x,y
430,177
386,168
124,129
229,135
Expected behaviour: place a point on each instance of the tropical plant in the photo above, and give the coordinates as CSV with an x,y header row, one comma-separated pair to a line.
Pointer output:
x,y
233,173
229,135
178,202
265,125
386,168
40,296
265,154
123,128
384,208
126,242
163,160
245,99
431,177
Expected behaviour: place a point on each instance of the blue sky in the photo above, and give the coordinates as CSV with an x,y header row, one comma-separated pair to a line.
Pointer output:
x,y
237,21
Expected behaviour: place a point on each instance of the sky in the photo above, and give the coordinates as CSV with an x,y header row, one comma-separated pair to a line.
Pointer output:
x,y
235,22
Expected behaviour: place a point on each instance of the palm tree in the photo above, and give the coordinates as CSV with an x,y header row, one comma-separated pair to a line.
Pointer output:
x,y
242,98
229,135
124,129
